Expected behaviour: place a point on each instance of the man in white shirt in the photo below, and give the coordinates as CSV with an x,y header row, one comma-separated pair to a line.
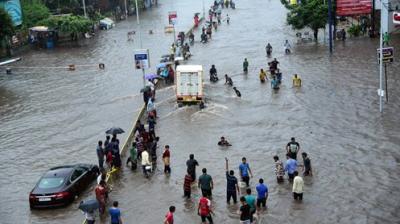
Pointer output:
x,y
298,186
145,161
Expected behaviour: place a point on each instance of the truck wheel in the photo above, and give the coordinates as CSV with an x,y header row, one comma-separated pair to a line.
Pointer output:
x,y
180,105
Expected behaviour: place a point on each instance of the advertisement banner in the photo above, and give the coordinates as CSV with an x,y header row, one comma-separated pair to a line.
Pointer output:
x,y
396,17
388,54
353,7
13,7
142,59
172,16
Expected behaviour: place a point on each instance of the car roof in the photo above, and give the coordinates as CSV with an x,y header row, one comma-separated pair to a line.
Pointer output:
x,y
63,171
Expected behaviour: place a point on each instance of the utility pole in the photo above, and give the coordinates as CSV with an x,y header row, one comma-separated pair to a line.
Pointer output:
x,y
330,25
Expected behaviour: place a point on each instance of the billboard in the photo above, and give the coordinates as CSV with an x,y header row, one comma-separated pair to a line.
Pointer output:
x,y
13,7
353,7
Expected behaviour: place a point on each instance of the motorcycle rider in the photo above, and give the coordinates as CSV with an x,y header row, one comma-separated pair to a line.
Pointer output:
x,y
204,37
287,47
268,49
213,74
186,51
191,38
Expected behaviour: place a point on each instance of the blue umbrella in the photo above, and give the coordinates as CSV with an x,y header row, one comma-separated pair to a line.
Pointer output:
x,y
150,76
161,65
89,205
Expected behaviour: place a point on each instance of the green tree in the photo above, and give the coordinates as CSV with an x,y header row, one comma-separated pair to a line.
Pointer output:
x,y
308,13
73,25
6,30
33,13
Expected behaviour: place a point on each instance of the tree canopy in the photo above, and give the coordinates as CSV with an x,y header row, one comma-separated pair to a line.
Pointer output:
x,y
6,25
33,13
6,30
68,24
308,13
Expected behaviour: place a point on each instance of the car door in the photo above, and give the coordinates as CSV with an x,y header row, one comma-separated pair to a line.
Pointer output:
x,y
76,179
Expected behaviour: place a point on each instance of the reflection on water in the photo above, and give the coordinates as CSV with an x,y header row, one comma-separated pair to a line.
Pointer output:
x,y
50,117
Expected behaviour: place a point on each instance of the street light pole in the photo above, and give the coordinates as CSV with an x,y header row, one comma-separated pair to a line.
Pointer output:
x,y
204,11
84,8
330,25
126,10
140,37
380,91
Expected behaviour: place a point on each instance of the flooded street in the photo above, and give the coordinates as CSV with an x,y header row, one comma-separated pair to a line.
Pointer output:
x,y
53,117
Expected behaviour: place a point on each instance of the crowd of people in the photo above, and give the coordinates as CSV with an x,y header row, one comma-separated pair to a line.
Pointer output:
x,y
273,71
250,204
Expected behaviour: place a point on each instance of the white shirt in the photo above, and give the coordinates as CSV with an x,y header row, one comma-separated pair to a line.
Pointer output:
x,y
298,185
145,158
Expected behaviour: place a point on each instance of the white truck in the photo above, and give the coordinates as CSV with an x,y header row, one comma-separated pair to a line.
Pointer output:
x,y
189,84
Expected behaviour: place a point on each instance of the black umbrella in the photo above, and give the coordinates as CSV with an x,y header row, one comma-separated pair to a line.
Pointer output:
x,y
145,89
89,205
115,131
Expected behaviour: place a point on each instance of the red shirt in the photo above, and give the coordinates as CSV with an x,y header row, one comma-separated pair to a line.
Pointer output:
x,y
170,217
166,154
187,183
100,192
204,205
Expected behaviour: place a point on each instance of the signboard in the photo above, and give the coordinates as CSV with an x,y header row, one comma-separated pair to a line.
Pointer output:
x,y
142,59
172,16
388,54
353,7
13,8
396,17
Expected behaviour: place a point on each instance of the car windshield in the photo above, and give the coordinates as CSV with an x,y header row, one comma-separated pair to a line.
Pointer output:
x,y
51,182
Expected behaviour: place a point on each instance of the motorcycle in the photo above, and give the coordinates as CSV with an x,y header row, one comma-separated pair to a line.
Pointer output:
x,y
214,77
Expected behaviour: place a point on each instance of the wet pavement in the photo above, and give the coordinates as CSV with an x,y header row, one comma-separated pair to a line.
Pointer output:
x,y
50,117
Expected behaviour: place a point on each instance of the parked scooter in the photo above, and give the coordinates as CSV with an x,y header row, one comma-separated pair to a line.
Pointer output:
x,y
233,5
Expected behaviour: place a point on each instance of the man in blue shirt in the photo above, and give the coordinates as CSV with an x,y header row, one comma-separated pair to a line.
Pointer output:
x,y
262,193
290,167
115,214
275,83
244,170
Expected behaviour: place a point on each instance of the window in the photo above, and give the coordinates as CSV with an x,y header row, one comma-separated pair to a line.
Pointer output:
x,y
52,182
77,173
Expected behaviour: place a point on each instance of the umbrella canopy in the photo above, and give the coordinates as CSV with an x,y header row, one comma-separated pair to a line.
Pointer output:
x,y
150,76
161,65
89,205
179,59
115,131
145,89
